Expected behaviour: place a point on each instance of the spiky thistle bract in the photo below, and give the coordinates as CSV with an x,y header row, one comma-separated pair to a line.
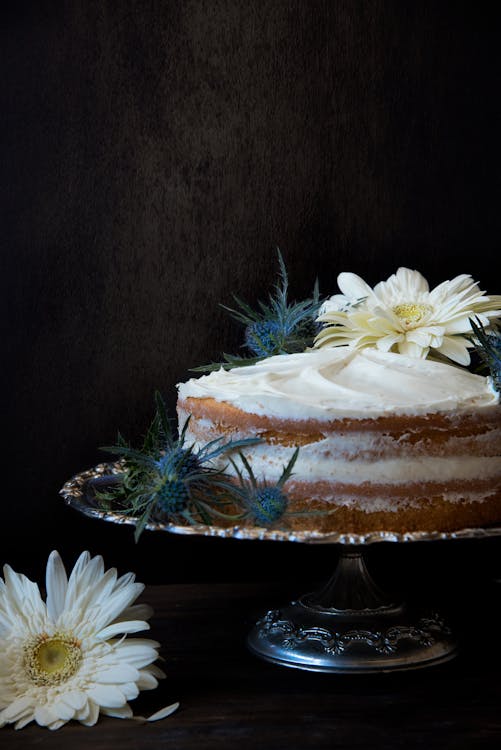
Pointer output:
x,y
263,503
488,347
168,479
275,327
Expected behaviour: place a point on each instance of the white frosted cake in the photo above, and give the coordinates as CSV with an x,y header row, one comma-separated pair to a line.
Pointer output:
x,y
387,441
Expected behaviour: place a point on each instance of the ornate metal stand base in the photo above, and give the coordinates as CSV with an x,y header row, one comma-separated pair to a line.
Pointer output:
x,y
351,626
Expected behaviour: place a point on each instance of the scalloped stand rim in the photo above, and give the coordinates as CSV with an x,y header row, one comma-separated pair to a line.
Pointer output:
x,y
74,494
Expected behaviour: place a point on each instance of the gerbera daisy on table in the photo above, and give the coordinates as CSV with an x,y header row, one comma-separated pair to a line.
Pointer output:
x,y
69,658
402,315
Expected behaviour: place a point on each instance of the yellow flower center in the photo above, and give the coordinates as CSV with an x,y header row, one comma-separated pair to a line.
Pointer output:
x,y
411,313
50,660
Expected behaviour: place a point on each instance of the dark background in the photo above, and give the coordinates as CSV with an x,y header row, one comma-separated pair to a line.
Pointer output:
x,y
154,154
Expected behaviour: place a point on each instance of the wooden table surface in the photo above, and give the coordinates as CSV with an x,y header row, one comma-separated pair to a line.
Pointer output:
x,y
230,699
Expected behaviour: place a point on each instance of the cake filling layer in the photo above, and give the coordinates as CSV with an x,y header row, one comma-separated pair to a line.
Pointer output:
x,y
364,444
314,465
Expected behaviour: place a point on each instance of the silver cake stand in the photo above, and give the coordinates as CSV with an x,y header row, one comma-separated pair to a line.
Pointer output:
x,y
349,626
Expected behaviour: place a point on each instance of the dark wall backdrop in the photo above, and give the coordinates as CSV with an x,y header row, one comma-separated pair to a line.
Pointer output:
x,y
154,154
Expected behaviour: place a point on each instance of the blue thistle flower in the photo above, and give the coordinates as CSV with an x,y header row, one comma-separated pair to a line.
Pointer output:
x,y
263,503
270,503
488,347
276,327
178,462
167,478
174,467
264,336
173,497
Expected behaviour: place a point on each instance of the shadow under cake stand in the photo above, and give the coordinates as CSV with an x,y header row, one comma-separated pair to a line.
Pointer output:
x,y
348,626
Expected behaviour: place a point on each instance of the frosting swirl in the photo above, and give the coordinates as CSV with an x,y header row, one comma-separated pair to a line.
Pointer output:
x,y
342,382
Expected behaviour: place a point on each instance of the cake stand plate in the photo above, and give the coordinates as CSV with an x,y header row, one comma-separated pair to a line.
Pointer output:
x,y
349,626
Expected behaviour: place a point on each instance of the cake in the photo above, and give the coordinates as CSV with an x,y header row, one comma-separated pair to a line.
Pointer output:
x,y
387,442
394,432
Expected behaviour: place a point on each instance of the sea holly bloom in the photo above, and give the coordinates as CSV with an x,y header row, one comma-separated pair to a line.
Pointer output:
x,y
69,658
277,326
488,347
402,315
263,502
168,479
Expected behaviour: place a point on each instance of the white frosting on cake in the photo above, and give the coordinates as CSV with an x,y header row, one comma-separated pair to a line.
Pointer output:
x,y
339,382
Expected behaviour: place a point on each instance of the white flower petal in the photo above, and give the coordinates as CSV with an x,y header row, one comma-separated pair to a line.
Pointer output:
x,y
411,282
353,287
56,724
426,337
116,603
97,592
135,645
461,324
449,289
92,715
156,671
164,712
455,349
75,578
121,672
108,696
44,716
123,712
130,690
137,612
139,656
147,681
85,712
385,343
24,721
134,626
62,710
16,709
125,580
75,699
21,597
334,304
410,349
91,574
56,583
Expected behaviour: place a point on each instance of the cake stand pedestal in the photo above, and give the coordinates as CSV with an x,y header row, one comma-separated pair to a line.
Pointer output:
x,y
349,626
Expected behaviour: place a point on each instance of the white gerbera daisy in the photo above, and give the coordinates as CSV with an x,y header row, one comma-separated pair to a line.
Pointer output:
x,y
402,314
61,660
